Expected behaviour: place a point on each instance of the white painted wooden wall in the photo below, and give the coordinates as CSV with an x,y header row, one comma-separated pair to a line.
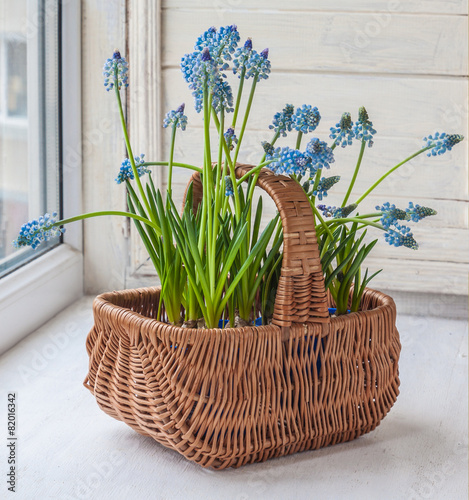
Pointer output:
x,y
406,61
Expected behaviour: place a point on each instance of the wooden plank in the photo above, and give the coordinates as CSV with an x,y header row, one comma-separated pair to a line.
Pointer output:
x,y
435,244
388,6
443,278
398,106
144,95
334,41
446,279
422,178
102,149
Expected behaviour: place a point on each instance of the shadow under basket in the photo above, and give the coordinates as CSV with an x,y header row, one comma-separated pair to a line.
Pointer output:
x,y
229,397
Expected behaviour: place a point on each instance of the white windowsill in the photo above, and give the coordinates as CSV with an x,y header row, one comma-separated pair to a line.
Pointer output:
x,y
36,292
69,449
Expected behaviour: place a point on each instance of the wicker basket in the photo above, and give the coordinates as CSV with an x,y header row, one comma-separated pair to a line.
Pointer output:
x,y
225,398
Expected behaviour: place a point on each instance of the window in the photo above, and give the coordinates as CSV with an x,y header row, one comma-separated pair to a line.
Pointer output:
x,y
39,92
29,121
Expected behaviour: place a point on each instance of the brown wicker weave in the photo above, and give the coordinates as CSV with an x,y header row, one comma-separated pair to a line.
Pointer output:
x,y
225,398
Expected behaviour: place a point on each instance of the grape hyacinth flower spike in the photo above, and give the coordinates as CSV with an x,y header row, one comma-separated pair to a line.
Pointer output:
x,y
363,128
230,138
283,120
306,119
417,213
115,72
34,232
440,143
390,214
401,237
342,133
176,118
257,65
241,57
288,161
337,212
228,186
320,153
126,171
324,185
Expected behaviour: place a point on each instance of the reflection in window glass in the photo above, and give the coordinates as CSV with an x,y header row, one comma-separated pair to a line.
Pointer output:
x,y
29,121
15,54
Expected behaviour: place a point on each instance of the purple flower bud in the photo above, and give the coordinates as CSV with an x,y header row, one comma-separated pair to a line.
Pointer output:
x,y
265,53
248,44
206,55
181,108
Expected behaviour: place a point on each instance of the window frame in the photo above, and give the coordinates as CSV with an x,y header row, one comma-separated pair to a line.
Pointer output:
x,y
35,292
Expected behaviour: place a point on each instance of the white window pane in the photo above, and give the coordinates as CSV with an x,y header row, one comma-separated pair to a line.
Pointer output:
x,y
29,121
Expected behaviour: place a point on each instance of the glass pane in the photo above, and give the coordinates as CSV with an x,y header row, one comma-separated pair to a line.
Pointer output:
x,y
29,121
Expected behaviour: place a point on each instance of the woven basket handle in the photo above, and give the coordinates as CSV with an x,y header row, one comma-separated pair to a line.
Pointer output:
x,y
301,296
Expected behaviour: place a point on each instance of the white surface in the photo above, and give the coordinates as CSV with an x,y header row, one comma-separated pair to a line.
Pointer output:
x,y
69,449
37,291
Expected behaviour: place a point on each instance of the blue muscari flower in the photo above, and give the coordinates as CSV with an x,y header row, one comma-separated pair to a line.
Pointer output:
x,y
221,43
228,186
282,121
417,213
363,128
320,153
268,148
401,237
188,62
258,65
228,38
342,132
241,56
34,232
222,95
324,185
115,72
441,143
230,138
176,118
199,68
337,212
288,161
306,119
206,39
390,214
126,171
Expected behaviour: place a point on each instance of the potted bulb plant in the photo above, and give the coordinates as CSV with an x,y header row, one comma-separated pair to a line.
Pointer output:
x,y
258,343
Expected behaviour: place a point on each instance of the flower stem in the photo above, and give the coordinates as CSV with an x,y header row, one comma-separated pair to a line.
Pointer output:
x,y
253,171
109,212
245,120
170,163
317,179
389,172
238,97
298,139
175,164
231,167
354,178
131,156
359,219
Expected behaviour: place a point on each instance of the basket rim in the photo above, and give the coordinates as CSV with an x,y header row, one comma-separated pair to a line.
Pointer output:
x,y
135,320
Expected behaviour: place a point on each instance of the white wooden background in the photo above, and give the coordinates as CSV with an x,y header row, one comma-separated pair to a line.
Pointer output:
x,y
406,62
